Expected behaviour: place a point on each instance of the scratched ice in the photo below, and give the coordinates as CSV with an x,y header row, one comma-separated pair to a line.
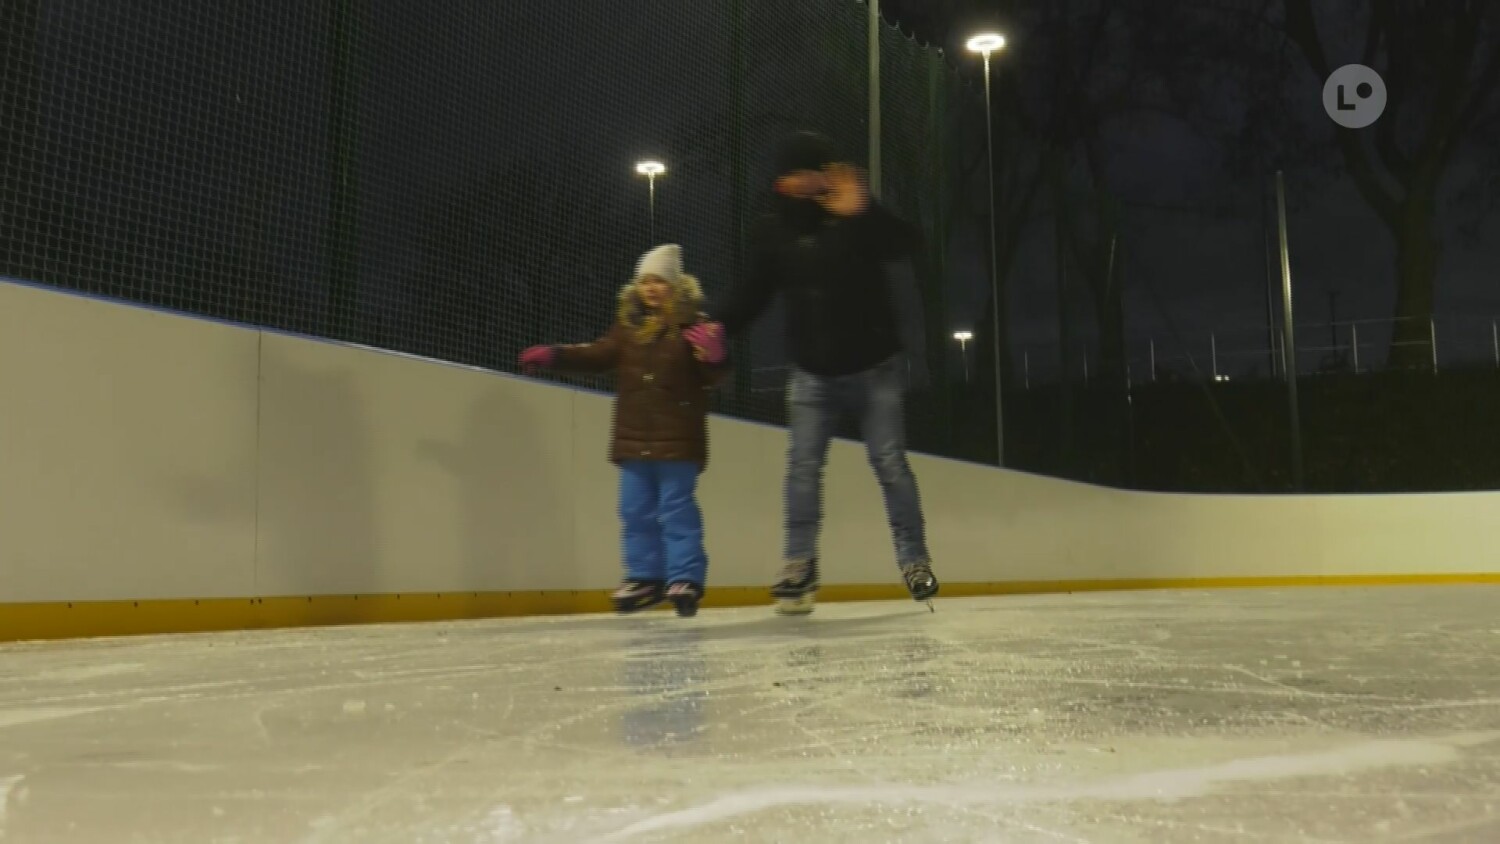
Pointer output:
x,y
1258,716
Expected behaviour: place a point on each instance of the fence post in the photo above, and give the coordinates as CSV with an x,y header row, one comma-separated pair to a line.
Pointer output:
x,y
1354,344
1432,332
1085,364
1289,334
1213,353
873,49
1026,366
1153,358
343,185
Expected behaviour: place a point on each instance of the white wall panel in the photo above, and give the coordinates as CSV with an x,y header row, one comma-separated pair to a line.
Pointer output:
x,y
148,455
127,452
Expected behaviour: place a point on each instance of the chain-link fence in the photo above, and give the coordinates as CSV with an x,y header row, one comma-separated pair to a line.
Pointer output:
x,y
458,181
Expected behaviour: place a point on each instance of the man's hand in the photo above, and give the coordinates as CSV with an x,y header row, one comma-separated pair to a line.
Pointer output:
x,y
847,193
802,184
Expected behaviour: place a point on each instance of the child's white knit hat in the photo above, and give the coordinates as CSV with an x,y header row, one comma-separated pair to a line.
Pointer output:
x,y
664,262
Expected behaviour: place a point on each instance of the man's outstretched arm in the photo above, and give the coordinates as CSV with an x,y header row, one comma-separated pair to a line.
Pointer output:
x,y
751,295
877,230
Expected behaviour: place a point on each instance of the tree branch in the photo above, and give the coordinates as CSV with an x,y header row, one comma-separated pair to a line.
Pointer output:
x,y
1482,89
1092,52
1380,19
961,196
1022,208
1098,179
1302,28
1382,25
1453,90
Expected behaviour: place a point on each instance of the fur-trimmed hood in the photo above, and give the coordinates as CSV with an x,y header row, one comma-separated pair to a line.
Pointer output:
x,y
689,293
687,304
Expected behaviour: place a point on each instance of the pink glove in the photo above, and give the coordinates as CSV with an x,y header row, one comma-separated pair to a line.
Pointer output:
x,y
538,357
707,339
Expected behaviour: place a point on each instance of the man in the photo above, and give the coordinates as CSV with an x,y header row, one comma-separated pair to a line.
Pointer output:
x,y
823,248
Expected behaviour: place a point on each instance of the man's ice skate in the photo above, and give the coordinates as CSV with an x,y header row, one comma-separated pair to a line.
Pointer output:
x,y
637,595
685,597
920,582
796,587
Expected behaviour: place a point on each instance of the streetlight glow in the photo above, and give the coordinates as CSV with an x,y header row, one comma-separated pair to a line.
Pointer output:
x,y
986,42
963,338
651,168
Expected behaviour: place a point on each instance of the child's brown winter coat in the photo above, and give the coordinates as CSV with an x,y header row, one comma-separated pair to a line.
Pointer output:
x,y
662,390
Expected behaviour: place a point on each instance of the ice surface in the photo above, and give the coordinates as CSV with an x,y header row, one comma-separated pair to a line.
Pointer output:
x,y
1259,716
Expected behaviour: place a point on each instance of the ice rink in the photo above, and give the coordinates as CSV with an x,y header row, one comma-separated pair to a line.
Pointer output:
x,y
1323,715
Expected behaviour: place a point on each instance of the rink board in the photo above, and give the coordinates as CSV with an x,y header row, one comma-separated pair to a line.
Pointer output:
x,y
65,620
166,473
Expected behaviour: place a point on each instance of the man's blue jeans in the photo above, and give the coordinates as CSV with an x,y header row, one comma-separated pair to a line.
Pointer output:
x,y
876,397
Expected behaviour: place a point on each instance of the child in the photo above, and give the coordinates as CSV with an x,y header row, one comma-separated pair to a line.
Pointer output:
x,y
660,430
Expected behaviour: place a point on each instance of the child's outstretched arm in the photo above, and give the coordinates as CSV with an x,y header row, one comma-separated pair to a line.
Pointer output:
x,y
599,356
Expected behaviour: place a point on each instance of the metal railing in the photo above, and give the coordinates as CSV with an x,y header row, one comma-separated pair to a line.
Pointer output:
x,y
1349,346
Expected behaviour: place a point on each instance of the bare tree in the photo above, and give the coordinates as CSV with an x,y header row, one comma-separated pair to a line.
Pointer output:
x,y
1441,63
1261,65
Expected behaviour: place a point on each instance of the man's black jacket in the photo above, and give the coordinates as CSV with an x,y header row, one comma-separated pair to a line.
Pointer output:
x,y
840,312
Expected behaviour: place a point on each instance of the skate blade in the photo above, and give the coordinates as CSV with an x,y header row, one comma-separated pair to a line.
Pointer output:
x,y
626,608
794,606
927,599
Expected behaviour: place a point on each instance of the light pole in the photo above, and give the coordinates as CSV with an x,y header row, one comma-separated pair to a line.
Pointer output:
x,y
986,43
651,168
1289,333
963,338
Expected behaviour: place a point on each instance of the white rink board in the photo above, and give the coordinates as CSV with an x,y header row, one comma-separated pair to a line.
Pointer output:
x,y
156,456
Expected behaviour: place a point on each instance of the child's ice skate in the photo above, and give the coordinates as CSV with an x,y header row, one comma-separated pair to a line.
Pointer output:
x,y
920,581
637,595
796,587
685,597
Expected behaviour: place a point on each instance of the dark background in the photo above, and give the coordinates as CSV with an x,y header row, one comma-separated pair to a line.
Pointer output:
x,y
455,180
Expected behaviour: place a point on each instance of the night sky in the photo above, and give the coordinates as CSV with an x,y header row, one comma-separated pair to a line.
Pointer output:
x,y
1197,229
184,156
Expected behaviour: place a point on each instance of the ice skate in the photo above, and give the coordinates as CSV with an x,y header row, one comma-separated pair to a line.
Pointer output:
x,y
800,605
920,582
637,595
685,597
796,587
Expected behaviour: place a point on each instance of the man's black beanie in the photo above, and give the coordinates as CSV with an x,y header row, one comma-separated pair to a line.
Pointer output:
x,y
804,151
